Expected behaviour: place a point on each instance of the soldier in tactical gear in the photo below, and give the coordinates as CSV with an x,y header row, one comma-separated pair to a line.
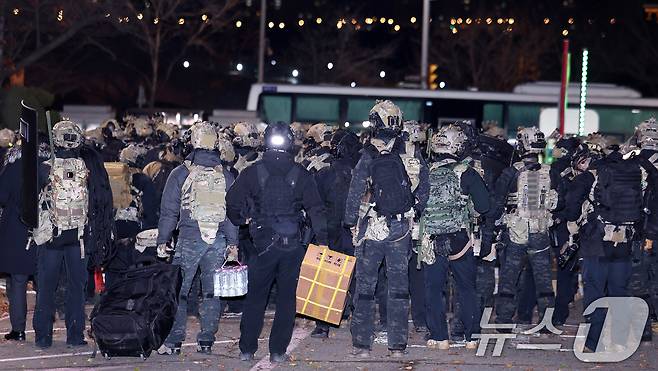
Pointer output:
x,y
247,145
611,216
644,278
318,155
334,184
455,189
75,225
525,199
381,189
136,208
15,260
418,173
194,201
270,196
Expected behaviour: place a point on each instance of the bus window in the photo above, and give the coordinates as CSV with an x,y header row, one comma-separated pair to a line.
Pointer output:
x,y
276,108
522,115
317,109
622,120
358,109
493,112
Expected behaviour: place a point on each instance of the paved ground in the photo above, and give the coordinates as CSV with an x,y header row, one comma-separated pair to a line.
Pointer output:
x,y
313,354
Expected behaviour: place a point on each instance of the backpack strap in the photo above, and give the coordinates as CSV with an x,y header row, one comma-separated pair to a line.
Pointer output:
x,y
262,174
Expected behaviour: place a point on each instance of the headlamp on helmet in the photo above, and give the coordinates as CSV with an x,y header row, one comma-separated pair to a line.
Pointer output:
x,y
385,115
67,134
278,137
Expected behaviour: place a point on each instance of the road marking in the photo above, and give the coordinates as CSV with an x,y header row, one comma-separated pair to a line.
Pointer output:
x,y
76,354
297,337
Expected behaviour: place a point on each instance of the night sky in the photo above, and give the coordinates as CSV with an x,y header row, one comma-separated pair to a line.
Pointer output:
x,y
489,45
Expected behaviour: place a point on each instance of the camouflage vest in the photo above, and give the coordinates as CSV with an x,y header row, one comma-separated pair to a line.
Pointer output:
x,y
64,202
204,195
531,203
447,209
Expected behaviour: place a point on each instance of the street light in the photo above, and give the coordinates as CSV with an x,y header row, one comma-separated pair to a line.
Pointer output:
x,y
295,73
382,74
353,84
330,65
186,64
239,67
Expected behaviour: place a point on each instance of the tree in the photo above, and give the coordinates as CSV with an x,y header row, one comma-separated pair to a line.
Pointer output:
x,y
352,58
164,30
30,30
490,55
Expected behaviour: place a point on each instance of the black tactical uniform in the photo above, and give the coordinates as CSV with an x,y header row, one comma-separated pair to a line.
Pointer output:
x,y
270,196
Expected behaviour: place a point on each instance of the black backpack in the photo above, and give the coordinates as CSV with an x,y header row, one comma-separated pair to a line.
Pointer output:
x,y
135,315
391,187
277,200
618,191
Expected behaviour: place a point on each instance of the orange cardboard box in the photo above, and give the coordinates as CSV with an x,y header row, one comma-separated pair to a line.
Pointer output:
x,y
323,283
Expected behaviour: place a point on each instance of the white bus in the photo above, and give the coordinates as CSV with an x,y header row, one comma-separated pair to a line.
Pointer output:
x,y
611,109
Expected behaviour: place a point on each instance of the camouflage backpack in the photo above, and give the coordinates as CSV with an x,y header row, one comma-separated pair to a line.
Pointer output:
x,y
64,202
447,209
204,195
531,203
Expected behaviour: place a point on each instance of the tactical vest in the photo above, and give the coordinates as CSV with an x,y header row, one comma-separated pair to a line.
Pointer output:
x,y
531,204
64,202
204,195
447,208
412,166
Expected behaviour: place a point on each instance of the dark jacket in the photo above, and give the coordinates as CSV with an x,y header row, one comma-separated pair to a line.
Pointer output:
x,y
171,215
14,258
245,199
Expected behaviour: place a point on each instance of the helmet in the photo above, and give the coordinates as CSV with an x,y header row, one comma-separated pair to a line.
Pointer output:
x,y
131,154
648,134
141,125
166,129
298,130
246,135
415,132
320,133
7,137
564,148
492,130
597,143
530,140
385,114
67,134
203,135
279,137
583,155
449,139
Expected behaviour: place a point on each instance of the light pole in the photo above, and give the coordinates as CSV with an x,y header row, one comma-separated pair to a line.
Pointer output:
x,y
425,43
261,42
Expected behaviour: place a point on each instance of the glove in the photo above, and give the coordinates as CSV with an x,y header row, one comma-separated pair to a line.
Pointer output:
x,y
232,253
164,251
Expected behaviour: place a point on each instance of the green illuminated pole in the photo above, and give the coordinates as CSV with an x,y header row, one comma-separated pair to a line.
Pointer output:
x,y
583,94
